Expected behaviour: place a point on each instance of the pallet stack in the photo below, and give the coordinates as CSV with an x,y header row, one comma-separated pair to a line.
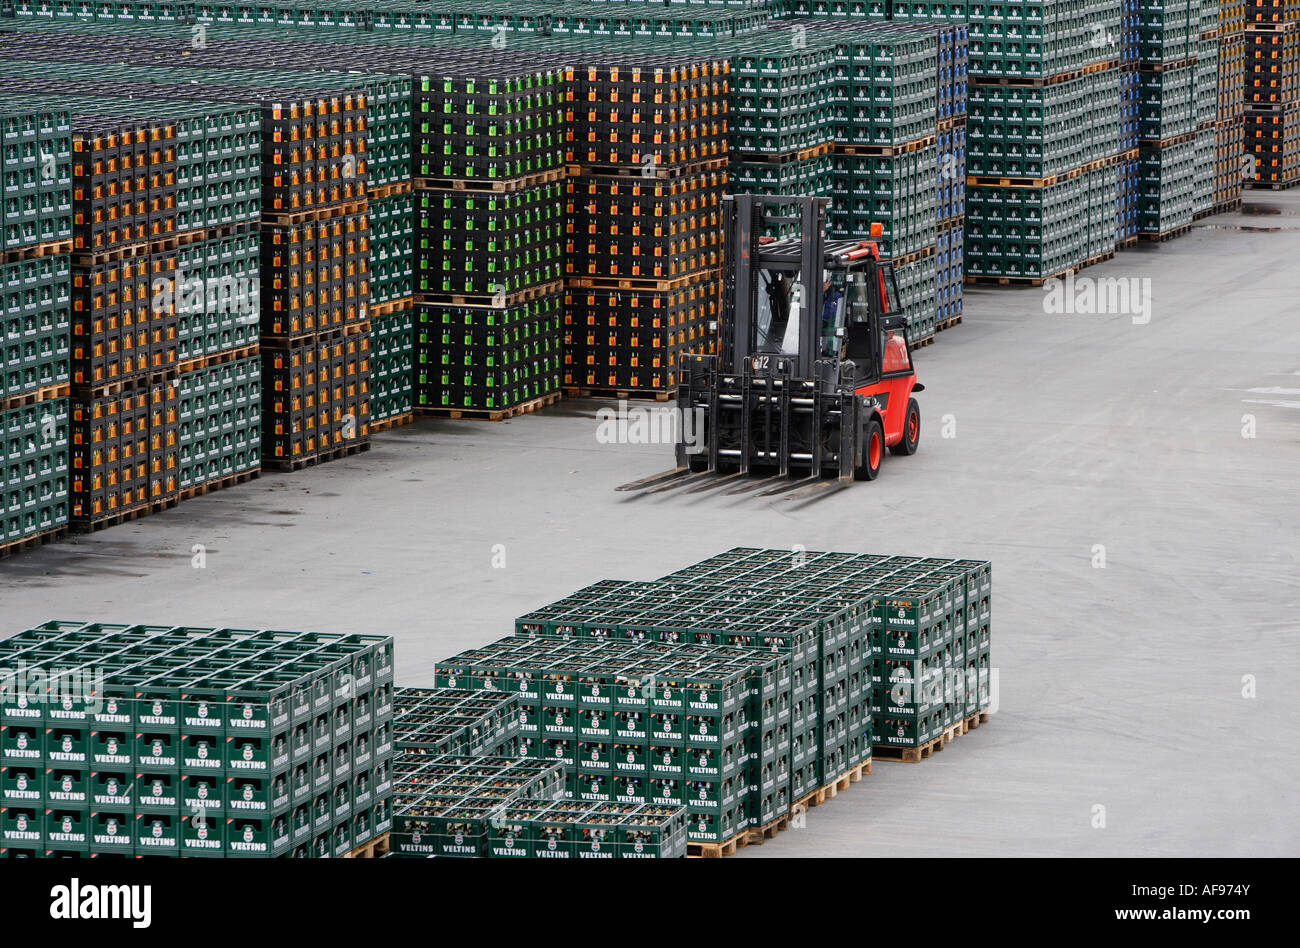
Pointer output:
x,y
647,156
488,149
1173,101
1230,149
193,742
1043,139
1272,116
34,321
315,276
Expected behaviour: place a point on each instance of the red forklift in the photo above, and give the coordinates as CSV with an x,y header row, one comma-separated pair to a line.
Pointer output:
x,y
814,378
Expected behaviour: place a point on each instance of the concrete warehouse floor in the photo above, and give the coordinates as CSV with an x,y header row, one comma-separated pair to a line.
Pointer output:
x,y
1119,686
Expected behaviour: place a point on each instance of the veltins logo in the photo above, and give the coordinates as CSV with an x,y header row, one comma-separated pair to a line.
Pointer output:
x,y
22,781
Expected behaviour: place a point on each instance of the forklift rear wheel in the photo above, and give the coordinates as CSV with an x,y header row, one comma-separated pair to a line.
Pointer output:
x,y
698,462
911,430
873,451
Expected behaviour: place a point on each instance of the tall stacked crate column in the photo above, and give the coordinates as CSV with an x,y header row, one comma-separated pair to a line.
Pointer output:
x,y
647,152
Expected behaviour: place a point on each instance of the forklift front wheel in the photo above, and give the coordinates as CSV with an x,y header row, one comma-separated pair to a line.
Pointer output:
x,y
873,451
911,430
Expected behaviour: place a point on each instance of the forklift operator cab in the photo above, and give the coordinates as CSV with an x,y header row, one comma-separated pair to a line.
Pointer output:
x,y
781,307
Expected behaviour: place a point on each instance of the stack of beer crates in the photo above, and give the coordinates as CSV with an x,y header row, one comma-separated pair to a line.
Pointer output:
x,y
1043,142
1171,106
510,808
34,320
635,721
1232,158
1205,105
647,163
441,721
315,274
125,434
1272,116
450,804
1128,169
488,150
193,742
785,96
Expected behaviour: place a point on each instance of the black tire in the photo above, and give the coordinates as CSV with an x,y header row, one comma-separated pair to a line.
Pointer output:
x,y
873,451
911,430
698,462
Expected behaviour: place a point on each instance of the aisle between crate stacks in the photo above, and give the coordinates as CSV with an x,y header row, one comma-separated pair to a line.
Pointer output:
x,y
375,849
914,755
30,542
491,414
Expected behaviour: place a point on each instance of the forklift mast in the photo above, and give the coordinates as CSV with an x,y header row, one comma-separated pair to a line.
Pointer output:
x,y
749,257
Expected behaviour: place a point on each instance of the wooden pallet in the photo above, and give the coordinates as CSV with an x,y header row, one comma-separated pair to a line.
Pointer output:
x,y
971,279
1283,27
222,231
758,835
322,212
127,251
287,465
914,755
32,251
1052,79
903,148
638,283
119,386
375,193
356,327
1167,66
829,790
393,421
119,517
392,306
718,850
1167,235
785,157
490,185
1046,181
1274,185
1167,142
948,323
645,394
913,257
1099,258
22,544
492,414
914,344
230,480
489,300
213,359
48,393
647,171
372,850
953,121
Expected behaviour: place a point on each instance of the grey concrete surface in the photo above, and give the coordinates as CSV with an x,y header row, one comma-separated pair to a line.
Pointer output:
x,y
1120,687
